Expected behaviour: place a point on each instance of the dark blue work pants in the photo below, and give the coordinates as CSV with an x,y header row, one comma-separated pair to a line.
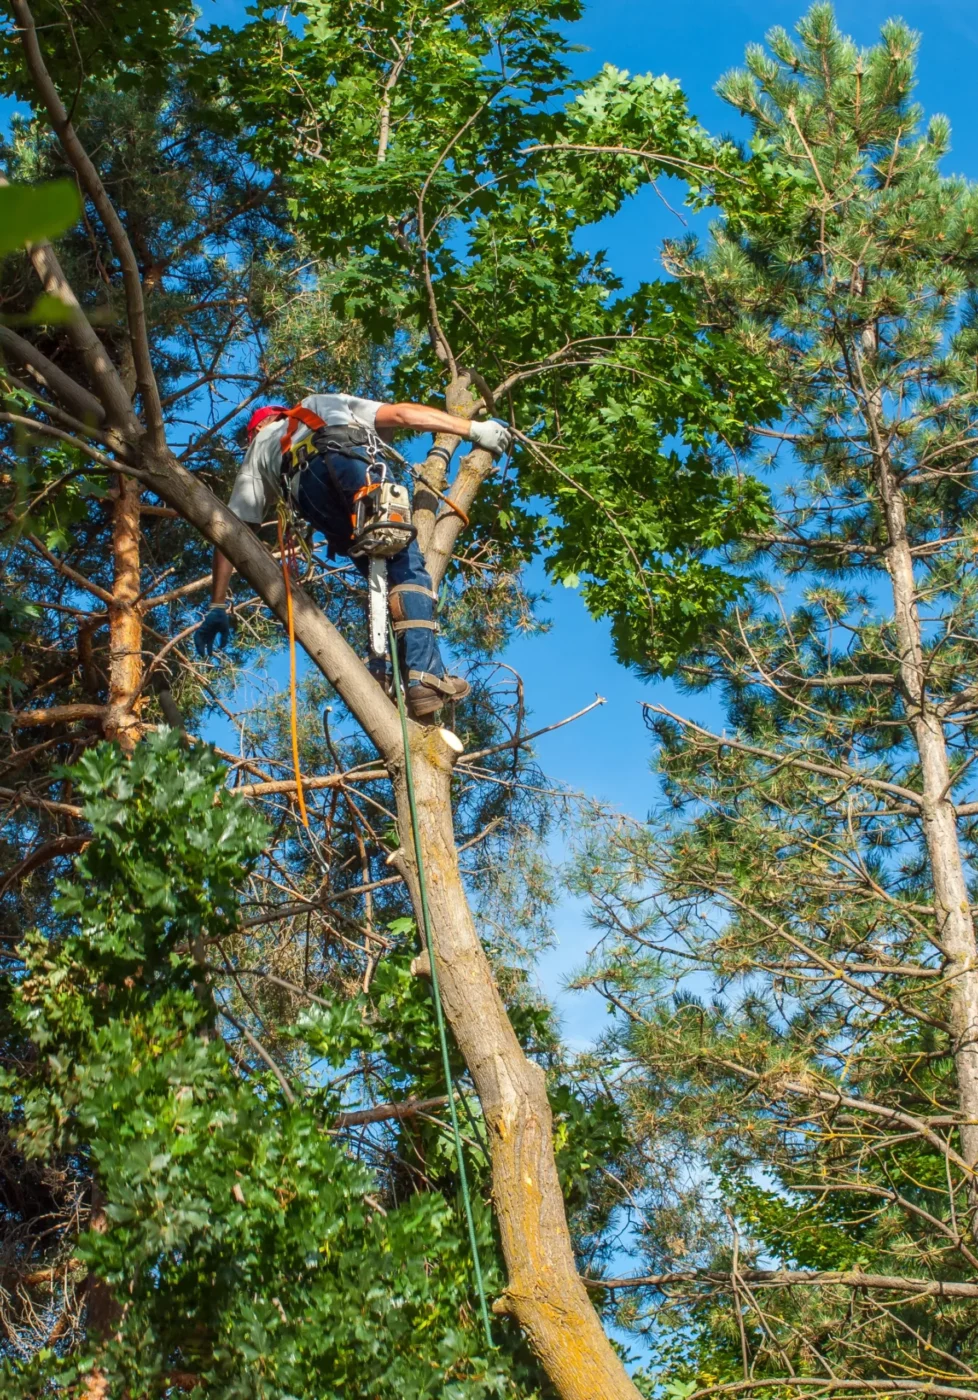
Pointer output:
x,y
325,498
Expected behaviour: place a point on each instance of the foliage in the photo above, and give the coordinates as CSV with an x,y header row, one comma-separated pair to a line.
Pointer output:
x,y
31,213
790,1055
213,1185
136,43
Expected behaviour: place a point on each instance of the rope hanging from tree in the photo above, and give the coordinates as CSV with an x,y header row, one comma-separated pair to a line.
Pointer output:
x,y
436,993
288,561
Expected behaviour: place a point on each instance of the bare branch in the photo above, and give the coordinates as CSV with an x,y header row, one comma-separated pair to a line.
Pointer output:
x,y
792,1278
73,395
92,184
385,1112
57,714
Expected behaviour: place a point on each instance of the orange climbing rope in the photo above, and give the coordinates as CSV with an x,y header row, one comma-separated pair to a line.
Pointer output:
x,y
287,558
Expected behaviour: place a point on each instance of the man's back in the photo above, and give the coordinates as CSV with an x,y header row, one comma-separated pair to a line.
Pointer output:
x,y
259,479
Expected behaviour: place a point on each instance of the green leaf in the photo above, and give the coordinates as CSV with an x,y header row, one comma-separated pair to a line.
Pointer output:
x,y
48,311
32,213
401,925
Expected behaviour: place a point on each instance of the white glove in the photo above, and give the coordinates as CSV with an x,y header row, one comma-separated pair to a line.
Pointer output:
x,y
492,436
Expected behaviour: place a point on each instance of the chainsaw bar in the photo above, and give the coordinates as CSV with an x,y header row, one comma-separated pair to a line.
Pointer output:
x,y
377,592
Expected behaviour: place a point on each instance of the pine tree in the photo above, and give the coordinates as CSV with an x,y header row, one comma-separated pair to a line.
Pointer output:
x,y
791,940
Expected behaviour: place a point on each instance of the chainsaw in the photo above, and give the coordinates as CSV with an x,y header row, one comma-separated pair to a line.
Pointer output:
x,y
381,528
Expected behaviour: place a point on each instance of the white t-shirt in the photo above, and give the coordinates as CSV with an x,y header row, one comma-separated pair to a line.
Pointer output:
x,y
260,477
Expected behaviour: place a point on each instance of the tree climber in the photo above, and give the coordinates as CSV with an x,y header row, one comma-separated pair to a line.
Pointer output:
x,y
316,458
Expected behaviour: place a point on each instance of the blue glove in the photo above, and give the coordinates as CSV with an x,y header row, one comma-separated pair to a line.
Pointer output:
x,y
213,633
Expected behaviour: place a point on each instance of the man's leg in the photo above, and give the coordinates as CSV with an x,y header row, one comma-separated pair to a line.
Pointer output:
x,y
412,605
326,492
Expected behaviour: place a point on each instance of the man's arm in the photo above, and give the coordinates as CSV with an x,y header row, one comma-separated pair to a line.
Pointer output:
x,y
494,436
421,418
221,576
215,630
248,503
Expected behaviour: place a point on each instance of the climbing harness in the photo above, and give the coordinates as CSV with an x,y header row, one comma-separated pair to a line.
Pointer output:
x,y
287,556
296,417
436,996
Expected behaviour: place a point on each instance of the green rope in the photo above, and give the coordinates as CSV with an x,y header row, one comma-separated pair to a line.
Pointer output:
x,y
436,994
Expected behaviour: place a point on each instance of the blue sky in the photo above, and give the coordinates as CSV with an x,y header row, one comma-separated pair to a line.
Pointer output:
x,y
607,753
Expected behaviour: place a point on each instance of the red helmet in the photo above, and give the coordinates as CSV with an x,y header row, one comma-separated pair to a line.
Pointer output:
x,y
261,415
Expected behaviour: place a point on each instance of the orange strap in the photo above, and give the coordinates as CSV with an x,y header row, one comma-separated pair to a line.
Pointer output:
x,y
359,496
292,700
298,415
442,497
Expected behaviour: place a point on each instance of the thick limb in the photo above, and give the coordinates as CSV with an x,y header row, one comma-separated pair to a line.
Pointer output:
x,y
544,1293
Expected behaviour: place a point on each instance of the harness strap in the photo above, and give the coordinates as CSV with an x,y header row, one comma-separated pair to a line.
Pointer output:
x,y
414,588
410,622
426,678
295,416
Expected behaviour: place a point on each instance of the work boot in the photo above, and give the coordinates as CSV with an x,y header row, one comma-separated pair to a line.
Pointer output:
x,y
427,693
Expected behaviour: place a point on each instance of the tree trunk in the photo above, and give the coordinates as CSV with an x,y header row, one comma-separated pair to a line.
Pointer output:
x,y
125,624
102,1310
472,472
952,904
427,503
544,1292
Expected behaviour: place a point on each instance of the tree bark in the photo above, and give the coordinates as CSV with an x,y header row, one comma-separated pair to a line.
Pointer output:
x,y
426,505
544,1293
125,621
472,472
952,904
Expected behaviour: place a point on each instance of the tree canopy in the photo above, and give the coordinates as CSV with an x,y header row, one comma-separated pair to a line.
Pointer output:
x,y
792,940
225,1157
